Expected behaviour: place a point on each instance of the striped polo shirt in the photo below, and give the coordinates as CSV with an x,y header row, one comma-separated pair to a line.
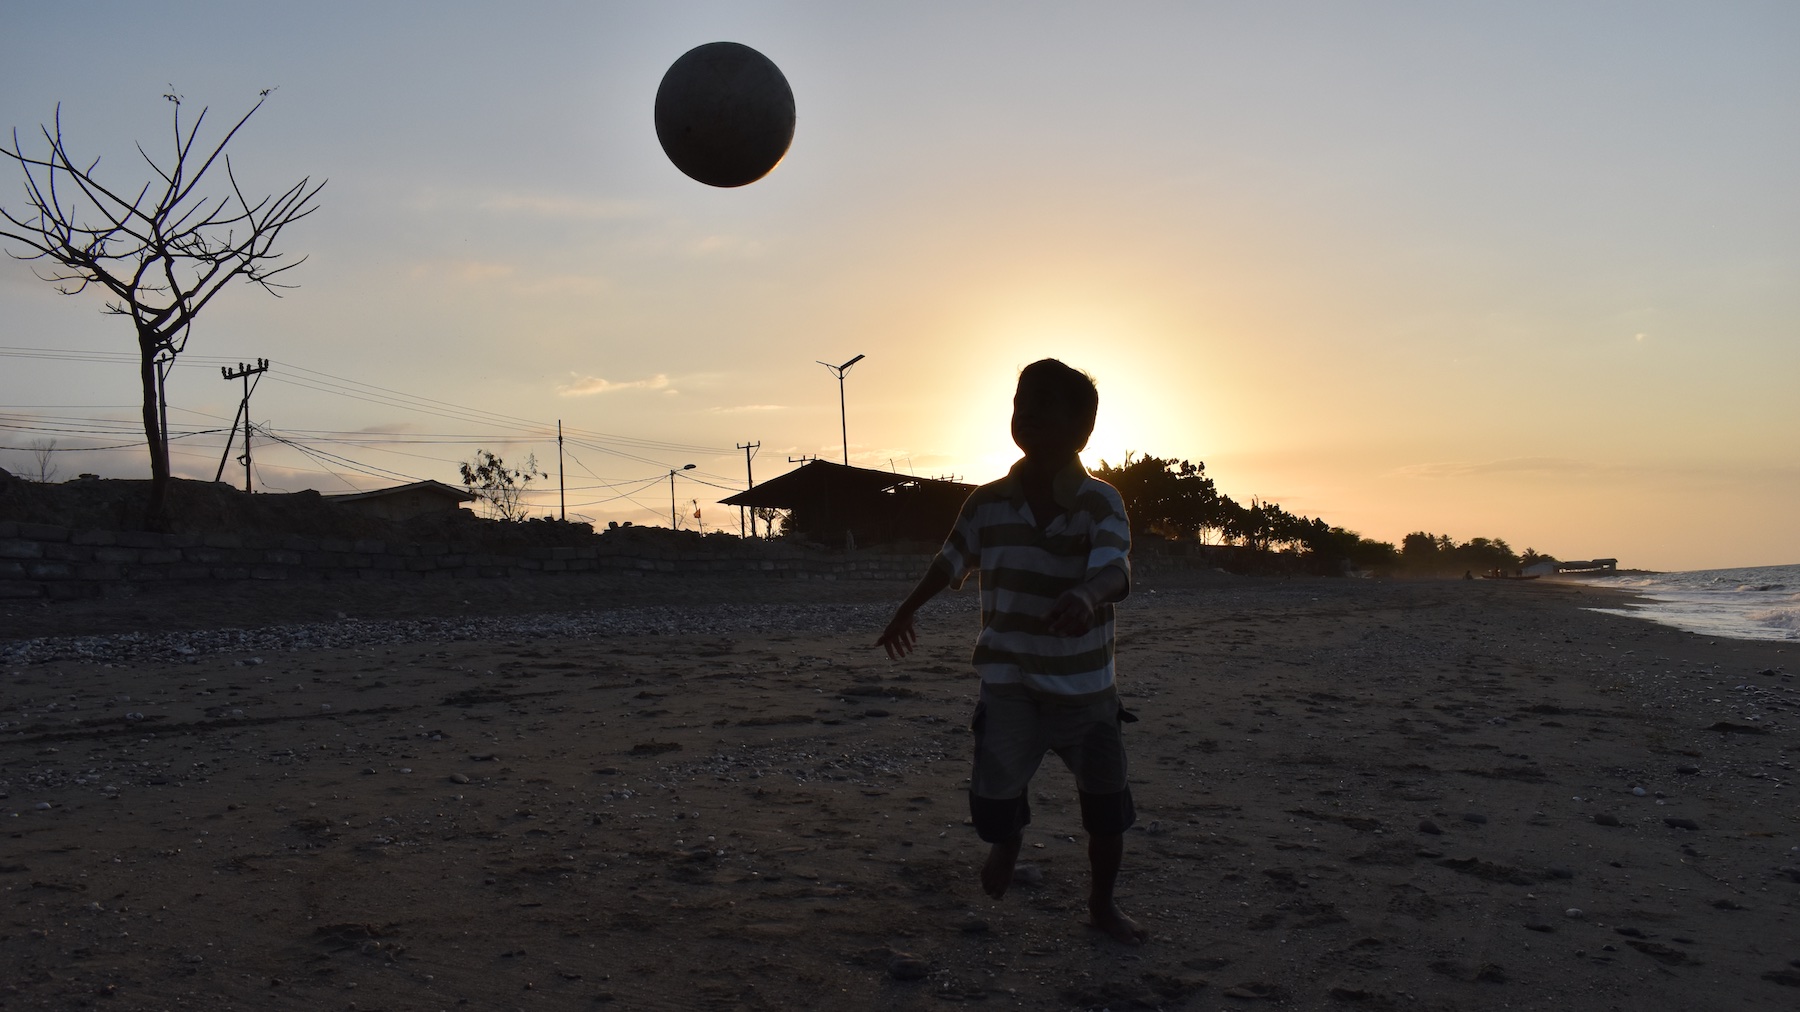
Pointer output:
x,y
1024,570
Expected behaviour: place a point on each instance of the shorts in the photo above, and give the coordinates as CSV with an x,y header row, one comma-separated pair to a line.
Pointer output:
x,y
1014,727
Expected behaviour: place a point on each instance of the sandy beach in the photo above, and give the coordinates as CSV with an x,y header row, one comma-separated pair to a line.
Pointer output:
x,y
674,794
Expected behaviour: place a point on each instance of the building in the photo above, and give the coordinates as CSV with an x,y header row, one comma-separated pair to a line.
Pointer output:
x,y
405,502
826,502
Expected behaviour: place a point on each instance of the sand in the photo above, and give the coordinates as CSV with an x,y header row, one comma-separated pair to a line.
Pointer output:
x,y
679,794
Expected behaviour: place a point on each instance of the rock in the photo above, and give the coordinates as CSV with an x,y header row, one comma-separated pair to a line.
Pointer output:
x,y
459,778
1688,824
1430,828
1639,791
1687,771
1476,817
904,966
1606,819
1574,913
42,806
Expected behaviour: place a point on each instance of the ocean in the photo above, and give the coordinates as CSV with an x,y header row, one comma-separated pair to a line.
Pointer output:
x,y
1757,603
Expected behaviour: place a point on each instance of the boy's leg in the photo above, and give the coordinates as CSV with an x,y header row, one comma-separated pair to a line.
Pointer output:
x,y
1095,753
997,870
1008,747
1106,852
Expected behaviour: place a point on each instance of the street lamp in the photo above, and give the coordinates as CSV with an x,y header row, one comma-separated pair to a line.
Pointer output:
x,y
672,473
839,371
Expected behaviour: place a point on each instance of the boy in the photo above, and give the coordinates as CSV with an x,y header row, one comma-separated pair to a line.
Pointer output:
x,y
1052,546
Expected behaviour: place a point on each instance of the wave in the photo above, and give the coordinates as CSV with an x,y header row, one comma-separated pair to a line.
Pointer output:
x,y
1754,603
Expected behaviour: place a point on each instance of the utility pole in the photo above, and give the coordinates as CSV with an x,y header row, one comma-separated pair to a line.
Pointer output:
x,y
749,483
165,360
843,419
673,525
245,373
562,498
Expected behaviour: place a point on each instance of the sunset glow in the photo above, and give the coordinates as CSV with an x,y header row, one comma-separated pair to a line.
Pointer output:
x,y
1398,266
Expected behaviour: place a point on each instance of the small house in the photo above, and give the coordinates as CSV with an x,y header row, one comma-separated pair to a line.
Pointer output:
x,y
405,502
837,504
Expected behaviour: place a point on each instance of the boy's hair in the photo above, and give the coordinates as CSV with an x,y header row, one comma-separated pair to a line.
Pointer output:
x,y
1076,388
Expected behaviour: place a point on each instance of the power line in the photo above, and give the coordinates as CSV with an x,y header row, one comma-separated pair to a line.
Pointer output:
x,y
514,429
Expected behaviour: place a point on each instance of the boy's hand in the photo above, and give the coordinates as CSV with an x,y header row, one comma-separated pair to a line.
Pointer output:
x,y
900,636
1073,612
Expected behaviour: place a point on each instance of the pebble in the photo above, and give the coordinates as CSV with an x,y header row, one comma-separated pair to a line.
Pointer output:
x,y
1639,791
905,966
314,636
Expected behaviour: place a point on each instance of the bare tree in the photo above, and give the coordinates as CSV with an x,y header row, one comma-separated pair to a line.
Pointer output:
x,y
159,255
45,468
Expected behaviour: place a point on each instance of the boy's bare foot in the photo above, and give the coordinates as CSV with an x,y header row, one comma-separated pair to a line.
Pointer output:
x,y
1110,919
997,870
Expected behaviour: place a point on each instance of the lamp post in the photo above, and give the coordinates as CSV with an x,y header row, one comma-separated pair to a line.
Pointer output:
x,y
672,492
672,473
843,420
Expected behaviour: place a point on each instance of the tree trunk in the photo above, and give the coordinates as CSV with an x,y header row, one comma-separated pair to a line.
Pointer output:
x,y
153,435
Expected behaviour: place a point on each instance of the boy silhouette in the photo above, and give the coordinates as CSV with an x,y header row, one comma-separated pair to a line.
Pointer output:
x,y
1052,546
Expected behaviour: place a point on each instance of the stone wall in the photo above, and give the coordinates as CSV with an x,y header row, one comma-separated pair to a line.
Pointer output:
x,y
43,561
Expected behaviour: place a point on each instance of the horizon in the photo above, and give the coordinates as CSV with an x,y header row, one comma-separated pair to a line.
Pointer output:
x,y
1525,274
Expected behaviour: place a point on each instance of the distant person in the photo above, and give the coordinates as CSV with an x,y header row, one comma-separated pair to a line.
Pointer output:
x,y
1053,547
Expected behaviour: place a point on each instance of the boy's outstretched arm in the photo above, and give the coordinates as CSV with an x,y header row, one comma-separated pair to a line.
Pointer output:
x,y
1073,611
901,634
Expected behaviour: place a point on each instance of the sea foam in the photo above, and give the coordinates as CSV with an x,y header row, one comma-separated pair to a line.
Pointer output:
x,y
1756,603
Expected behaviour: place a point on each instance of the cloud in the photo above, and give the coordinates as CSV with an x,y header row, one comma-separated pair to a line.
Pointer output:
x,y
559,206
726,246
746,408
465,271
1562,466
585,386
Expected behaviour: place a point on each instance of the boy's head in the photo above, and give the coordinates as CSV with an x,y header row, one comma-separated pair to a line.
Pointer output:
x,y
1053,411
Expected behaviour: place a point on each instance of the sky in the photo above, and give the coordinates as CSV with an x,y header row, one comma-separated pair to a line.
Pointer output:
x,y
1524,270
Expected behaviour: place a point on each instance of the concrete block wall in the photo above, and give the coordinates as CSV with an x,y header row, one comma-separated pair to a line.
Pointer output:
x,y
58,563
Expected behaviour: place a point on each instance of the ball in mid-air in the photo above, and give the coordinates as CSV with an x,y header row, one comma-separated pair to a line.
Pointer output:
x,y
724,114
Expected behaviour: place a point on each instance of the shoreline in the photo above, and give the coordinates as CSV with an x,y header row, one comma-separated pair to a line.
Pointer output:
x,y
1386,793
